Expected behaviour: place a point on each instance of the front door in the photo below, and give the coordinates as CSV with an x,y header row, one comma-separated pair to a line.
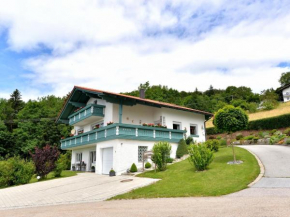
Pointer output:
x,y
107,157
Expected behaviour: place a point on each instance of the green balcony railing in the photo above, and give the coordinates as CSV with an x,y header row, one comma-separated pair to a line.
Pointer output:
x,y
123,131
86,112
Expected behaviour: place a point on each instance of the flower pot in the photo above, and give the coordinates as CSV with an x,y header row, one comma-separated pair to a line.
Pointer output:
x,y
112,173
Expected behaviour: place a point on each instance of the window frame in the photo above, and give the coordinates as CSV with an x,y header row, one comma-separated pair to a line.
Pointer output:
x,y
196,130
141,146
177,123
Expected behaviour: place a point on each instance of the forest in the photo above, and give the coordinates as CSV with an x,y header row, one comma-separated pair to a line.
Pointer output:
x,y
26,125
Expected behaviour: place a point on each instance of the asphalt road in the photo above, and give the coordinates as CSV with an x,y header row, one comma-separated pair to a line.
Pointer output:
x,y
257,201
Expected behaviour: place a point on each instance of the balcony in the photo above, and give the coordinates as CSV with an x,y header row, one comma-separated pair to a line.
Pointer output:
x,y
88,114
123,131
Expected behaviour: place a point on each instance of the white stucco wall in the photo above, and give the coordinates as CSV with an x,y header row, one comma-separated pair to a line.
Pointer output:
x,y
125,153
186,118
286,94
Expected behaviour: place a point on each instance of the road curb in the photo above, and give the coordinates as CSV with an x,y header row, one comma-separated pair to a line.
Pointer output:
x,y
262,169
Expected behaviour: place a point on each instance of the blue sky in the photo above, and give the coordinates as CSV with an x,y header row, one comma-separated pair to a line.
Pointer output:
x,y
47,47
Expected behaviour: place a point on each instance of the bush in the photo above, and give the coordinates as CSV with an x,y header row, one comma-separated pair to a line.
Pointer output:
x,y
223,142
287,131
200,156
189,140
133,168
250,137
45,160
276,139
15,171
61,165
213,145
147,165
277,122
288,141
211,137
161,151
181,149
239,137
218,137
169,160
212,131
273,131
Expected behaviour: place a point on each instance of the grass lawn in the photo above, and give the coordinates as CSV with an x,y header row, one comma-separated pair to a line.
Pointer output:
x,y
50,176
181,180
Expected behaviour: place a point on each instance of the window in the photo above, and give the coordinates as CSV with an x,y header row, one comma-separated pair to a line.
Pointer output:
x,y
193,129
78,157
141,150
176,125
96,102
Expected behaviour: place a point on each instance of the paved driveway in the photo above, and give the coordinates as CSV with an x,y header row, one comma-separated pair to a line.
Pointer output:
x,y
276,160
85,187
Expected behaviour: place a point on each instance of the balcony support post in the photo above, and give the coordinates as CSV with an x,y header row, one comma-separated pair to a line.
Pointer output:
x,y
120,112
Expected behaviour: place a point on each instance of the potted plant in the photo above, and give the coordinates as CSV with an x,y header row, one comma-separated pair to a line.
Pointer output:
x,y
73,168
93,169
80,131
109,123
112,172
97,126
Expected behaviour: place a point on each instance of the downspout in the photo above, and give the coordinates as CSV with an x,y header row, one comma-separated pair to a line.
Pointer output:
x,y
204,129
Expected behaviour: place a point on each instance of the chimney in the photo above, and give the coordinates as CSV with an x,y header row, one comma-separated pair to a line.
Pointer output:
x,y
142,93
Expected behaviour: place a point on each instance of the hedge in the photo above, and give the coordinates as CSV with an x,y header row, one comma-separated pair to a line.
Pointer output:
x,y
277,122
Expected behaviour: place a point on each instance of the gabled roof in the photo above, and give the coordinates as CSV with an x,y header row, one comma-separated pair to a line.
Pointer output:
x,y
283,87
80,95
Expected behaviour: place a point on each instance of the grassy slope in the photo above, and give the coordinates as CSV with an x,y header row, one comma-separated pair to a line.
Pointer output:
x,y
181,180
283,108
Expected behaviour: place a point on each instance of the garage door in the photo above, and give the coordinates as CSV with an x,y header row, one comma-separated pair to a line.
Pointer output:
x,y
107,160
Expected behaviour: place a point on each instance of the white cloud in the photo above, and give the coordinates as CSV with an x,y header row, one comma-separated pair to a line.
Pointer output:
x,y
116,45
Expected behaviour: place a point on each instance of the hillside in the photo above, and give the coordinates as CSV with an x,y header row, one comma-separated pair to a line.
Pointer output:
x,y
283,108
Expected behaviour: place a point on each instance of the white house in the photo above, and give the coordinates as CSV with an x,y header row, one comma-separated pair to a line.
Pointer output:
x,y
114,130
286,93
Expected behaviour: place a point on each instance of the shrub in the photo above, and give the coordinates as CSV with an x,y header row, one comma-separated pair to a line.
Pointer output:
x,y
288,141
147,165
181,149
256,139
213,145
15,171
161,151
6,173
276,139
211,137
212,131
218,137
44,160
223,142
169,160
133,168
287,131
239,137
61,165
200,156
250,137
189,140
273,131
277,122
278,132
